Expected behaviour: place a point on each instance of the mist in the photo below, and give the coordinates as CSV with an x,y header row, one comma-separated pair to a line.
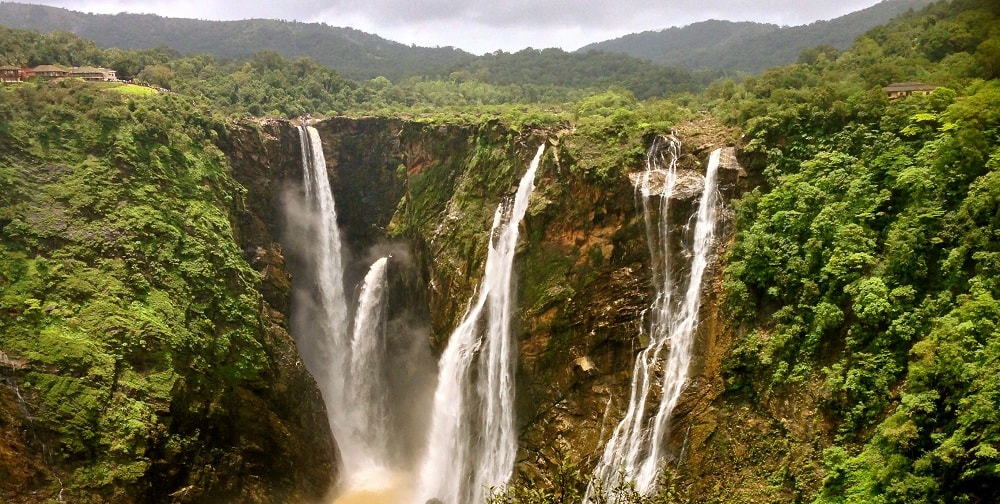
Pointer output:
x,y
410,370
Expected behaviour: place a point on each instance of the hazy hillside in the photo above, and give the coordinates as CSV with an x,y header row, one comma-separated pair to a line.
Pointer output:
x,y
749,46
555,67
717,45
714,45
353,53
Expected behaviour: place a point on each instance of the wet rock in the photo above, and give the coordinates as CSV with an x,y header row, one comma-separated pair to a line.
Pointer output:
x,y
12,364
584,365
275,438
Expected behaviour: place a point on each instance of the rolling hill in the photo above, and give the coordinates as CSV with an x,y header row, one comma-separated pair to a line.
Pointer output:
x,y
353,53
714,46
747,46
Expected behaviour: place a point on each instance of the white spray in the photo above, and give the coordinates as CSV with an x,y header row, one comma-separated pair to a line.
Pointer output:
x,y
369,387
349,369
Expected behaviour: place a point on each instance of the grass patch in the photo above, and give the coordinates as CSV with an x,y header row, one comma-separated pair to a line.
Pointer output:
x,y
131,89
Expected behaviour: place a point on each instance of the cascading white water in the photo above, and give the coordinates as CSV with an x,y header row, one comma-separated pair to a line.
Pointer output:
x,y
635,450
368,387
326,350
348,369
473,438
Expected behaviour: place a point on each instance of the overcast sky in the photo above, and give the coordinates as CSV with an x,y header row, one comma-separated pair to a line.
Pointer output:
x,y
481,26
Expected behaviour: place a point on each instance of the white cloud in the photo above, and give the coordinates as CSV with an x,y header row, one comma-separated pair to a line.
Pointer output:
x,y
487,25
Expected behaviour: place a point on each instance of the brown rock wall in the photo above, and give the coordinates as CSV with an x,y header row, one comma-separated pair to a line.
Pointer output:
x,y
583,280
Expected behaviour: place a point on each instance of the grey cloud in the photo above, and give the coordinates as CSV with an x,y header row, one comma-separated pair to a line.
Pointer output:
x,y
487,25
595,13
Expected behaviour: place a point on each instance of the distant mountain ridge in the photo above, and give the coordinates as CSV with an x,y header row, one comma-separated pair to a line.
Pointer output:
x,y
715,46
749,46
354,53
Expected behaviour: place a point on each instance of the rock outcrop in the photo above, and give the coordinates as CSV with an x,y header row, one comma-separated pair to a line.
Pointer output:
x,y
142,360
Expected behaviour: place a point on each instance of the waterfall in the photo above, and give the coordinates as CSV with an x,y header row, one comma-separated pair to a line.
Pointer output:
x,y
348,368
635,451
325,352
473,439
368,374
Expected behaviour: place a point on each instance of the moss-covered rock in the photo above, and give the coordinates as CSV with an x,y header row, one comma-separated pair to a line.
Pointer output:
x,y
149,366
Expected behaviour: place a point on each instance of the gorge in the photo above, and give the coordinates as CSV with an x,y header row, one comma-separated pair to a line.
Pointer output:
x,y
407,212
403,169
781,288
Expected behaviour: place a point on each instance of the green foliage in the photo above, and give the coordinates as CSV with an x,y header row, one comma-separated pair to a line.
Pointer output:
x,y
613,130
118,273
869,257
568,484
268,84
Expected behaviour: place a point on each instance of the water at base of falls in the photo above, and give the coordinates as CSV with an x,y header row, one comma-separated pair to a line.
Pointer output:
x,y
385,487
473,439
635,452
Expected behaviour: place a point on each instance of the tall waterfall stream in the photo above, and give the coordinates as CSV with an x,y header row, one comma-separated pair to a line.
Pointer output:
x,y
635,452
473,438
348,365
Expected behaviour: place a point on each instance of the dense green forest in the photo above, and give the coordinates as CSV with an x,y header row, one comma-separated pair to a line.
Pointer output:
x,y
864,267
208,58
868,259
268,84
734,47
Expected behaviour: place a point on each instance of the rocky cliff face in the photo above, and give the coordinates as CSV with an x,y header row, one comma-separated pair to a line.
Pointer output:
x,y
142,359
290,453
429,192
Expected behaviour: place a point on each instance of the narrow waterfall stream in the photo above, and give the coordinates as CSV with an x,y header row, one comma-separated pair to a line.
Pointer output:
x,y
326,350
473,440
368,386
635,451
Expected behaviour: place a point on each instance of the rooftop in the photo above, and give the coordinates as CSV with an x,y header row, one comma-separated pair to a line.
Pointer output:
x,y
908,86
